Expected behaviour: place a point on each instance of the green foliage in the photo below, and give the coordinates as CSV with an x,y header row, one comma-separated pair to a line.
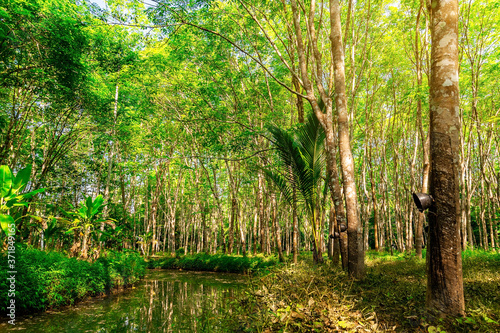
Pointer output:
x,y
10,193
86,219
50,279
215,263
125,267
303,157
43,42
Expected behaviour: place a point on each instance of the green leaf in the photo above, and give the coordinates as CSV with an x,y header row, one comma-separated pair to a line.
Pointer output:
x,y
70,230
82,212
282,185
37,218
97,204
6,221
489,320
89,204
32,193
5,180
22,179
21,204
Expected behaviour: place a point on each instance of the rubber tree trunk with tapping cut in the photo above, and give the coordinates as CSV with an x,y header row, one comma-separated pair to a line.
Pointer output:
x,y
444,263
336,194
354,231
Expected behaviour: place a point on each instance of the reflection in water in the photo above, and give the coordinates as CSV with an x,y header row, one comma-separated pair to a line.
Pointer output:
x,y
166,301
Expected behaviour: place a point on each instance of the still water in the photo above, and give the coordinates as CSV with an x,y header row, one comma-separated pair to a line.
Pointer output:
x,y
165,301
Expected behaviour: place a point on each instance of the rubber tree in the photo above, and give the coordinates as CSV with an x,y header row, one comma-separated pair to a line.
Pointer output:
x,y
444,263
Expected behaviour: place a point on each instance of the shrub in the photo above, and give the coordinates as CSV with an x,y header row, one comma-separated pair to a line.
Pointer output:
x,y
50,279
215,263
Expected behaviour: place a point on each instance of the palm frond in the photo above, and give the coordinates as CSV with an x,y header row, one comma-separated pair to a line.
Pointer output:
x,y
311,139
304,158
282,184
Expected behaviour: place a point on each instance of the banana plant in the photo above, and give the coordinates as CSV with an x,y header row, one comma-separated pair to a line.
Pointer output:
x,y
86,219
53,231
10,195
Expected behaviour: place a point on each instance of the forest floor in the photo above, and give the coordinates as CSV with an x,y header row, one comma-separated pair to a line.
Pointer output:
x,y
391,298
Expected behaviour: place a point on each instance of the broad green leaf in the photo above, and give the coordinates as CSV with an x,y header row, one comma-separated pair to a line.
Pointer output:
x,y
5,180
89,204
82,212
32,193
97,204
22,179
10,202
6,221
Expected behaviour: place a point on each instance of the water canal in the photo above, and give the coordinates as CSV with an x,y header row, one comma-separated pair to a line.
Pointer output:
x,y
164,301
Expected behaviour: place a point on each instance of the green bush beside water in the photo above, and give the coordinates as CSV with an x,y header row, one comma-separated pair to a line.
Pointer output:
x,y
50,279
215,263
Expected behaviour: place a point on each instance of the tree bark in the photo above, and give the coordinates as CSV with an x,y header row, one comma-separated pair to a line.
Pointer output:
x,y
276,228
356,264
295,235
336,195
444,263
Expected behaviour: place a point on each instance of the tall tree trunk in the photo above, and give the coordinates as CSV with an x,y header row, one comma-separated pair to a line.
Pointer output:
x,y
336,195
260,198
205,227
242,227
112,151
333,244
295,235
425,141
356,265
233,221
233,188
256,223
276,228
376,222
444,263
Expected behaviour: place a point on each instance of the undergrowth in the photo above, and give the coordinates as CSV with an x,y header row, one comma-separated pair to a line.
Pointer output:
x,y
215,263
391,298
50,279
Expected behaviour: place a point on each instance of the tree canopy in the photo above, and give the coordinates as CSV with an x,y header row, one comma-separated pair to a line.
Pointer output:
x,y
171,113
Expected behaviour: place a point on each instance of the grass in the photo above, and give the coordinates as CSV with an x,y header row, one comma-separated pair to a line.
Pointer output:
x,y
47,280
215,263
391,298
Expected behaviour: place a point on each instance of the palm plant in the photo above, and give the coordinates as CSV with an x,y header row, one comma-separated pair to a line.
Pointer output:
x,y
303,156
